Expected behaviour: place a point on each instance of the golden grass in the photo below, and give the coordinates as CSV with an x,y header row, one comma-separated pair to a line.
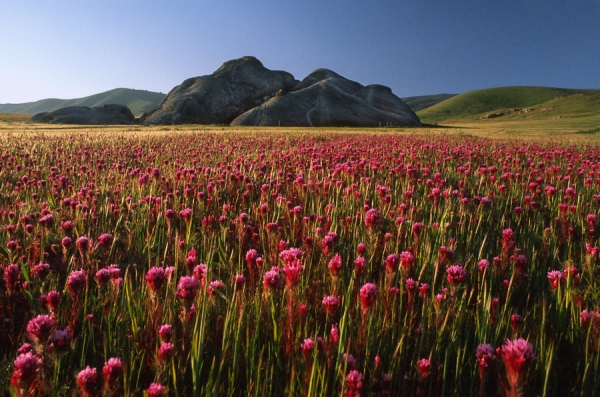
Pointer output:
x,y
561,130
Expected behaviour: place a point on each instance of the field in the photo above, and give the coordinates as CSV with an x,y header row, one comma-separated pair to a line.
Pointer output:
x,y
209,261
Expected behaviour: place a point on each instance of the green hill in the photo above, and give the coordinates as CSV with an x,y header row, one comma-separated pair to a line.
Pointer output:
x,y
514,102
421,102
138,101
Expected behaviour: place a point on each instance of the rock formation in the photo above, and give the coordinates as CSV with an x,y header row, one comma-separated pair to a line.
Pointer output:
x,y
237,86
324,98
105,114
244,92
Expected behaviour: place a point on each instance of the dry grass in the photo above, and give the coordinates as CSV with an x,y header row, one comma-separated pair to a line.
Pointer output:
x,y
561,130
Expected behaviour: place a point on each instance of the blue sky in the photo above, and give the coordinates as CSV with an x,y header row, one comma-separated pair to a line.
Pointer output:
x,y
70,49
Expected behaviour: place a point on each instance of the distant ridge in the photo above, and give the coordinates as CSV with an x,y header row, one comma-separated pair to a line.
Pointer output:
x,y
421,102
138,101
515,102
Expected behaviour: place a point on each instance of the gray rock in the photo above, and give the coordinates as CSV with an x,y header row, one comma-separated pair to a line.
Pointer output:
x,y
237,86
324,98
105,114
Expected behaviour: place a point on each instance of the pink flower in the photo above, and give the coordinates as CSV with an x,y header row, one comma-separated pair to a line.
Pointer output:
x,y
76,282
105,240
40,328
335,265
52,300
61,340
417,228
215,286
424,367
406,260
517,356
292,273
483,265
485,358
456,274
251,256
372,218
354,384
331,304
186,214
368,296
200,272
555,277
166,332
361,248
411,286
24,375
271,280
391,263
112,371
307,346
66,242
334,334
170,215
156,390
11,276
41,270
83,244
87,380
290,255
359,265
187,288
156,278
165,352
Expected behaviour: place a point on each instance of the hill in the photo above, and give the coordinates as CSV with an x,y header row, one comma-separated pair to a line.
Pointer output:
x,y
514,102
138,101
421,102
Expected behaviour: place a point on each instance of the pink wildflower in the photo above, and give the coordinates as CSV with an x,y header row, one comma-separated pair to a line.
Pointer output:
x,y
424,368
87,380
156,390
456,274
166,332
354,384
368,296
517,356
555,277
40,328
24,375
331,304
76,282
335,265
156,278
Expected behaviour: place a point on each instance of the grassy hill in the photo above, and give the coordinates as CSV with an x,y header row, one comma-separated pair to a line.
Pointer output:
x,y
421,102
514,103
137,100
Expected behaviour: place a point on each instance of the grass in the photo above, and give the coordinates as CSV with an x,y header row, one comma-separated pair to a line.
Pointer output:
x,y
14,117
473,105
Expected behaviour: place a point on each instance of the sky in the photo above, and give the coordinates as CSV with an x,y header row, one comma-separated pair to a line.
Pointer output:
x,y
71,49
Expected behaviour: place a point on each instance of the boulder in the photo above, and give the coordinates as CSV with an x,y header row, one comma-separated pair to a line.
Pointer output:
x,y
324,98
237,86
105,114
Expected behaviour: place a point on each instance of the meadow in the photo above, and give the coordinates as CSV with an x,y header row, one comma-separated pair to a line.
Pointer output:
x,y
213,261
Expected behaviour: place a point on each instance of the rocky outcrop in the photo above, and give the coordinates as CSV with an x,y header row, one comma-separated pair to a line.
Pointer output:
x,y
324,98
105,114
236,87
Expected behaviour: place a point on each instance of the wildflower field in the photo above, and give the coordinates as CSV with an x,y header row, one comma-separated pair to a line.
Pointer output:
x,y
272,263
